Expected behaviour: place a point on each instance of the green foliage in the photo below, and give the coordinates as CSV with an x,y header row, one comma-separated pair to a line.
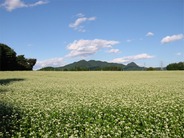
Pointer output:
x,y
150,69
132,66
92,104
93,65
25,64
176,66
48,69
9,120
9,60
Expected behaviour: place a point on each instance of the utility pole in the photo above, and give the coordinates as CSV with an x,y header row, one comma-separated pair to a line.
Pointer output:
x,y
144,66
161,65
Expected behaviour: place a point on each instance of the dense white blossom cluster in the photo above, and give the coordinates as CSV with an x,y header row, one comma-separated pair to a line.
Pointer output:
x,y
92,104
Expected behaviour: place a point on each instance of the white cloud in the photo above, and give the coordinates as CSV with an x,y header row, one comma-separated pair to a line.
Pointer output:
x,y
131,58
38,3
150,34
80,15
129,40
57,62
84,48
114,51
178,54
10,5
119,60
91,18
172,38
77,24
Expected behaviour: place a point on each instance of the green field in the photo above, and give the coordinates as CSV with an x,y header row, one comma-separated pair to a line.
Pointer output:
x,y
92,104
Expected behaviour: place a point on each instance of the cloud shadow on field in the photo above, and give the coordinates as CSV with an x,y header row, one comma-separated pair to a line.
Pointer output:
x,y
9,119
8,81
9,114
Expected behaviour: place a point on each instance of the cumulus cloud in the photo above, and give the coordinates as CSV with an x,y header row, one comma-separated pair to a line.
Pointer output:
x,y
84,48
132,58
150,34
77,25
114,51
11,5
172,38
56,62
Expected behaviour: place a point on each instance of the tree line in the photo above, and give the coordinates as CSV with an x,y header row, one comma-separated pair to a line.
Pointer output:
x,y
175,66
110,68
9,61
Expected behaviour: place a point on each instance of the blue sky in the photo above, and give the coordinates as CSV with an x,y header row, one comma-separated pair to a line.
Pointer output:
x,y
58,32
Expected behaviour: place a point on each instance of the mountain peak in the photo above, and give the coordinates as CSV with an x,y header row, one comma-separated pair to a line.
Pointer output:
x,y
81,61
132,64
84,65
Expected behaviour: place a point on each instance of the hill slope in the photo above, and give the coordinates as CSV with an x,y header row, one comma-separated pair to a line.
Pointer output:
x,y
132,66
93,65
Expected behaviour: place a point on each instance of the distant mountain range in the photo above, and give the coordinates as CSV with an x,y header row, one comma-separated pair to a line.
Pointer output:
x,y
94,65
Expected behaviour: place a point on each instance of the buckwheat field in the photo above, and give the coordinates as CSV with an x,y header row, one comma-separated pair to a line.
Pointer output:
x,y
92,104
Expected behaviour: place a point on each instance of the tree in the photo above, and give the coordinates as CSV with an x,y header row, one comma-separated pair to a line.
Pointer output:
x,y
150,69
9,60
175,66
31,62
21,62
181,65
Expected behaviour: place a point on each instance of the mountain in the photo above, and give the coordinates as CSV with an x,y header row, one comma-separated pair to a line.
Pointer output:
x,y
132,66
94,65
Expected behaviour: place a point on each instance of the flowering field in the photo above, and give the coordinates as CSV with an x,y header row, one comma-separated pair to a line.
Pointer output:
x,y
92,104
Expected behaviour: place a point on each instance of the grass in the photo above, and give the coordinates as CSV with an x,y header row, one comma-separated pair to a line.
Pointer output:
x,y
92,104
